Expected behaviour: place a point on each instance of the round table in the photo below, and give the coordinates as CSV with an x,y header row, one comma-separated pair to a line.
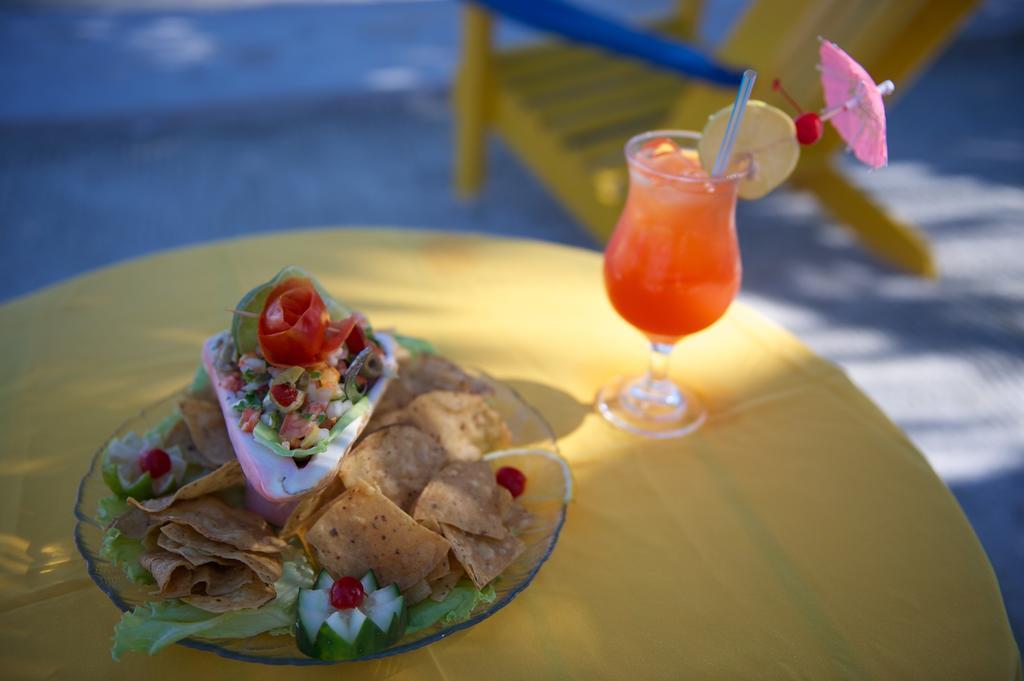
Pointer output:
x,y
797,534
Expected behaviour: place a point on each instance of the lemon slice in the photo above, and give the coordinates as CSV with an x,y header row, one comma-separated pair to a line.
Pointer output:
x,y
548,477
766,140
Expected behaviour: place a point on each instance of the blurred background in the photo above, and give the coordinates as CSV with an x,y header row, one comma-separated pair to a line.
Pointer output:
x,y
131,126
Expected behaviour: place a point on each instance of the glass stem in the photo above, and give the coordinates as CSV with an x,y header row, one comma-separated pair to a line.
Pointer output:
x,y
654,395
661,354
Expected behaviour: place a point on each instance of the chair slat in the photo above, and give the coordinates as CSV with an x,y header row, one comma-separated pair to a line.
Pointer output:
x,y
527,63
609,81
598,119
619,129
648,87
556,86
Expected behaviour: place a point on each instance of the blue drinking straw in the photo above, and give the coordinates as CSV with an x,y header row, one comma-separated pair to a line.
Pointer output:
x,y
738,107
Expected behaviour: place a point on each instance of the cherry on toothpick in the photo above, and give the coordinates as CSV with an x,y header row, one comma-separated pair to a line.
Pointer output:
x,y
809,128
777,86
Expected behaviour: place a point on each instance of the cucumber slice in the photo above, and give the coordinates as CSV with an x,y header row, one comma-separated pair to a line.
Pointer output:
x,y
314,609
385,613
381,597
126,475
348,623
387,593
120,483
332,645
398,624
323,581
326,633
163,484
369,582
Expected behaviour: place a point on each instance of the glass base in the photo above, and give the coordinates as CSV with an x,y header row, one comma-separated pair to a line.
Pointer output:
x,y
656,409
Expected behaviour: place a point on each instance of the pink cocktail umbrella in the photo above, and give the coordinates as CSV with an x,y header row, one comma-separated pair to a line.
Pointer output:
x,y
853,104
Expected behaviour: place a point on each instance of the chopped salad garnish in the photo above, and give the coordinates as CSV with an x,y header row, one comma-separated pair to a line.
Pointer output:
x,y
293,408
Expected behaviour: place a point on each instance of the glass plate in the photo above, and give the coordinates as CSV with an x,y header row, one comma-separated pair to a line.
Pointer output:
x,y
547,509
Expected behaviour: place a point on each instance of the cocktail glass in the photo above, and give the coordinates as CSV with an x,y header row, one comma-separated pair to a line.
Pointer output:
x,y
671,269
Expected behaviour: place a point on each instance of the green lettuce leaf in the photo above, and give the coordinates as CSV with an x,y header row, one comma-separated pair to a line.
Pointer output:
x,y
457,606
125,551
200,381
152,627
110,508
160,430
415,346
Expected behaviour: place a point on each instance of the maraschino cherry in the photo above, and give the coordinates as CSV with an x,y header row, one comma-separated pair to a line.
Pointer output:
x,y
809,127
511,479
155,461
347,592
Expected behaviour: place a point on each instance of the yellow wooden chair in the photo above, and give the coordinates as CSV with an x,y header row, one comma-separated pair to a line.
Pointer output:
x,y
567,110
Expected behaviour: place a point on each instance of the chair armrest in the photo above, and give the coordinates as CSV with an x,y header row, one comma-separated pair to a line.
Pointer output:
x,y
590,28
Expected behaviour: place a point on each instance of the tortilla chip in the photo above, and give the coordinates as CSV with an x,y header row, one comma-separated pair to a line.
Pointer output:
x,y
212,518
440,589
189,553
482,557
311,506
225,579
442,569
267,567
208,578
398,460
363,530
430,524
462,423
171,572
180,437
133,523
228,475
175,576
206,392
381,420
251,595
206,425
417,592
513,516
464,495
426,373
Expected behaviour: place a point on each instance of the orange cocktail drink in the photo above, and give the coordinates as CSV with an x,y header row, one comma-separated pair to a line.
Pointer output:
x,y
672,266
671,269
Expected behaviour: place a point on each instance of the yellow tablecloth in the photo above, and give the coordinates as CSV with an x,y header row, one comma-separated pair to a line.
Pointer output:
x,y
797,535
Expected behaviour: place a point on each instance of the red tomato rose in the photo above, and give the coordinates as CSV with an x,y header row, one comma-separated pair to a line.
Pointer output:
x,y
295,328
291,327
